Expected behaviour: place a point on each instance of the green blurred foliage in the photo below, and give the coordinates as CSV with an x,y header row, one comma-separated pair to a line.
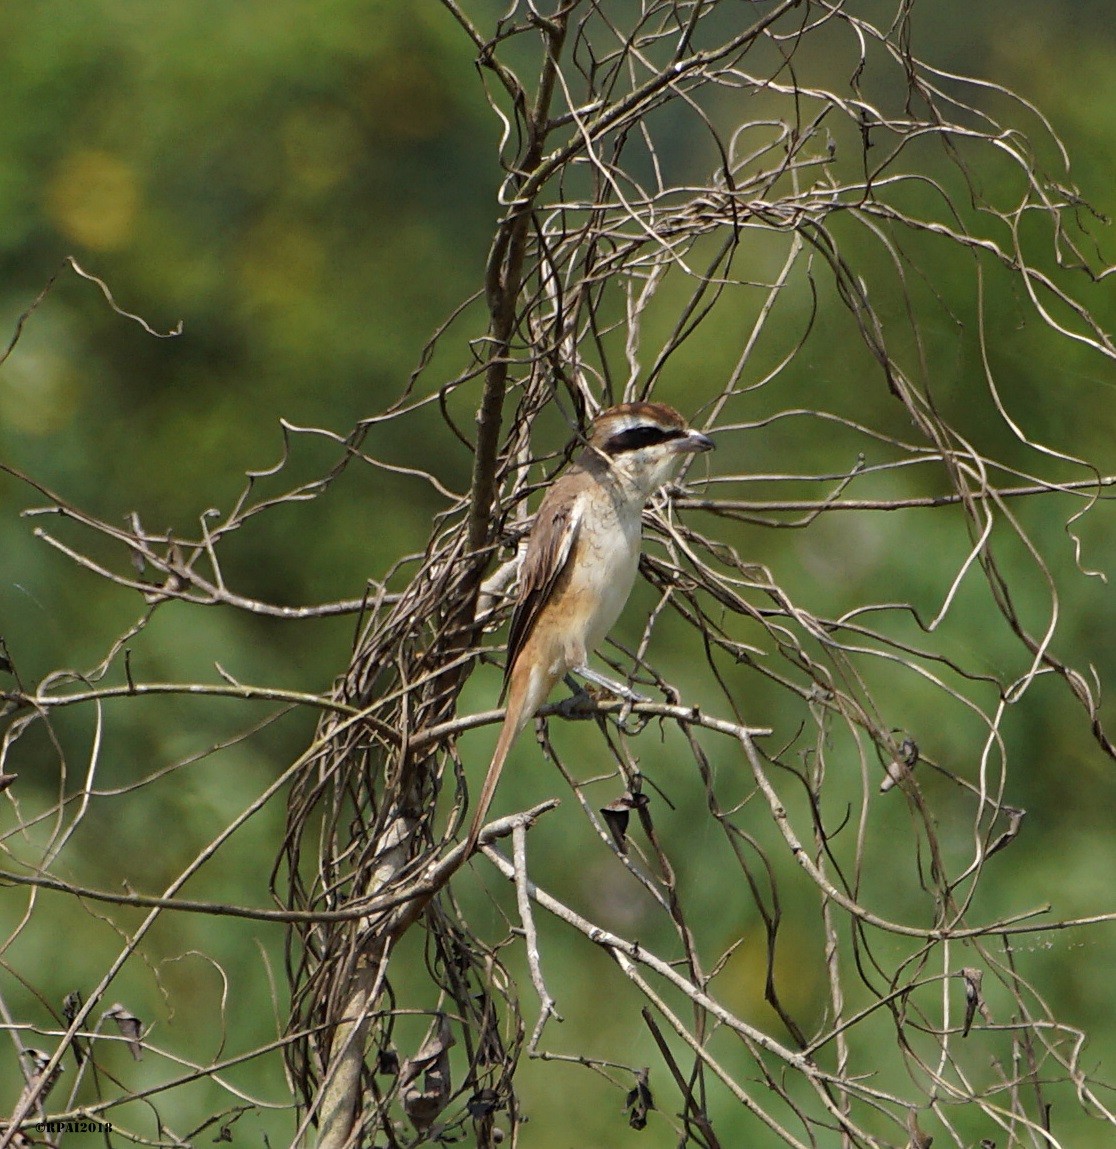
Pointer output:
x,y
310,189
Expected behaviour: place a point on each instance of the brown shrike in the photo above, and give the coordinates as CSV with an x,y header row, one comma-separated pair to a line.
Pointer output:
x,y
581,562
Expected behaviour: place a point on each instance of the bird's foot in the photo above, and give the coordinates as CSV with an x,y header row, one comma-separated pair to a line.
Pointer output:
x,y
580,704
621,690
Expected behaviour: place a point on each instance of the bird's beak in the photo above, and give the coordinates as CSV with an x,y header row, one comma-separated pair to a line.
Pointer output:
x,y
695,442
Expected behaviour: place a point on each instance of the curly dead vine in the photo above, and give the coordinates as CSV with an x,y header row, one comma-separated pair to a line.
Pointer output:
x,y
789,181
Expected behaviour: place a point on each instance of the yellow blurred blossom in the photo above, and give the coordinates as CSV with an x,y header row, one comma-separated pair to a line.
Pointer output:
x,y
93,198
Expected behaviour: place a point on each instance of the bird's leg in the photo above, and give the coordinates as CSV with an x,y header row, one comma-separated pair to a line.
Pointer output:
x,y
621,689
579,704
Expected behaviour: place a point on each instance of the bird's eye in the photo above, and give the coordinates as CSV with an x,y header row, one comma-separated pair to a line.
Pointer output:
x,y
645,435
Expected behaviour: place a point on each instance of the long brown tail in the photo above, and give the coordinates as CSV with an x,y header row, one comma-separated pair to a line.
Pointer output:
x,y
508,735
522,704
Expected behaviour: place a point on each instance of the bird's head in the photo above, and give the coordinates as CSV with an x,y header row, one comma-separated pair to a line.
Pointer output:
x,y
644,442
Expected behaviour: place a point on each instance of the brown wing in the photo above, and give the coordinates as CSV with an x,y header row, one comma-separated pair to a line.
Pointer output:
x,y
549,549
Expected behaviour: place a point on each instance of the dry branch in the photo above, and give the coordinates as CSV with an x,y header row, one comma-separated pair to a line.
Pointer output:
x,y
679,176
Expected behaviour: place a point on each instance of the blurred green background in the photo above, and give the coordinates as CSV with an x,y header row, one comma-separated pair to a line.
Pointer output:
x,y
311,190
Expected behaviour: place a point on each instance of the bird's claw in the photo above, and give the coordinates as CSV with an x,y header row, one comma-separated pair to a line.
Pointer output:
x,y
579,705
625,716
582,703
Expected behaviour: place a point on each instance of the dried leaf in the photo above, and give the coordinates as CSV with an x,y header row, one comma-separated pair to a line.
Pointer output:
x,y
1015,822
974,998
639,1100
490,1047
130,1027
918,1139
71,1006
617,813
483,1102
903,761
41,1081
422,1105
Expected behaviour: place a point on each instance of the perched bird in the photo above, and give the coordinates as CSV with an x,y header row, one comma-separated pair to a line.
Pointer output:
x,y
581,562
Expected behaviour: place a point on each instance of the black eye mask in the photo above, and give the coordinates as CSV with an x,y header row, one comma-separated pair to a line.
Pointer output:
x,y
646,435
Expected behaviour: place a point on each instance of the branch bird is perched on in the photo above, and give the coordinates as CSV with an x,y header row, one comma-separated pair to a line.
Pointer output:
x,y
581,562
